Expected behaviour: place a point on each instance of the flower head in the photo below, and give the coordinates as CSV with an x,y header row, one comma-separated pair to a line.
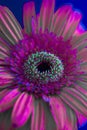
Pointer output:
x,y
43,68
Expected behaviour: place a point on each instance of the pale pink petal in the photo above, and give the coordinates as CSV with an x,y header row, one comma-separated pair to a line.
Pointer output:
x,y
28,14
46,14
72,24
83,77
38,117
81,45
60,19
79,40
84,68
82,55
81,87
9,26
75,99
22,109
8,100
64,116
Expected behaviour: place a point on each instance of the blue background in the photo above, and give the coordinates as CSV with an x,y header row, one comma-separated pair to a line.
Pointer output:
x,y
16,7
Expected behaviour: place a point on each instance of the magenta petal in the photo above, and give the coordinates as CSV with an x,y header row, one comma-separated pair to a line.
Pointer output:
x,y
81,119
3,93
22,109
80,30
8,100
28,13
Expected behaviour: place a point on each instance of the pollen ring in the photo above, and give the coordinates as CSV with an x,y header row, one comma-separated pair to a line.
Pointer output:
x,y
43,67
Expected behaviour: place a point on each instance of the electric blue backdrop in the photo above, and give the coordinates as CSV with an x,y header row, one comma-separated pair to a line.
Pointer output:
x,y
16,7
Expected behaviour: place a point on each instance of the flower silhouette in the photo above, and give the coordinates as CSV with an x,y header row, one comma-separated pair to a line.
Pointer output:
x,y
43,69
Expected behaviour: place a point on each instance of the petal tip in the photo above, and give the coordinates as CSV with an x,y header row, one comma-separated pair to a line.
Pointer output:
x,y
28,5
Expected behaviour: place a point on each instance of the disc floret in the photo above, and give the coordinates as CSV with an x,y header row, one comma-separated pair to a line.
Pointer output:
x,y
43,67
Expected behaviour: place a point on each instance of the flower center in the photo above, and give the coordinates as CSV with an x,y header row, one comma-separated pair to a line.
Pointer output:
x,y
43,67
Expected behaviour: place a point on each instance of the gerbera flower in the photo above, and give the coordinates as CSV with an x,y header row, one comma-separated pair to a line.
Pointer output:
x,y
43,69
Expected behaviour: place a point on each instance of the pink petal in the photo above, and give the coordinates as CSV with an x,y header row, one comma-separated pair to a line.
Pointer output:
x,y
14,23
79,40
38,117
83,78
28,13
84,67
2,62
8,100
82,55
64,116
5,79
9,26
46,14
4,44
81,45
60,19
22,109
81,87
72,24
